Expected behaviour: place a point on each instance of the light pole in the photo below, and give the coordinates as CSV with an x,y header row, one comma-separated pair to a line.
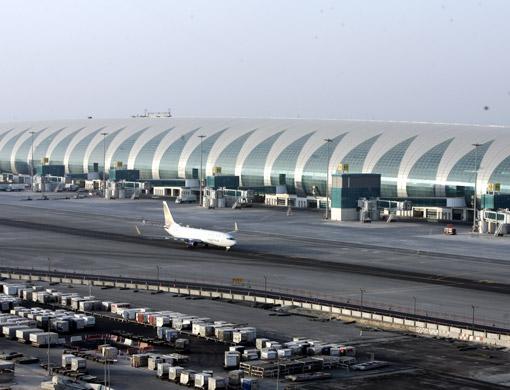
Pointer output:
x,y
476,145
265,284
32,160
201,157
473,318
361,300
328,142
414,307
104,163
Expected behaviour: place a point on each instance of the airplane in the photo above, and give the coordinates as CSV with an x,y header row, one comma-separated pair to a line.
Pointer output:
x,y
194,237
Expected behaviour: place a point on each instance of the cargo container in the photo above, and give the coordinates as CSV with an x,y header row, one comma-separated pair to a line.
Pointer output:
x,y
182,344
115,306
90,305
24,334
217,383
139,360
187,377
202,379
284,353
109,352
244,336
232,359
78,364
260,343
225,334
174,373
171,335
10,330
268,354
162,370
235,377
60,326
162,321
42,339
249,384
66,360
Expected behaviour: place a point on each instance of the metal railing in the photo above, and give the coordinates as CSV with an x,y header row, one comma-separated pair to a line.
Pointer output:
x,y
296,295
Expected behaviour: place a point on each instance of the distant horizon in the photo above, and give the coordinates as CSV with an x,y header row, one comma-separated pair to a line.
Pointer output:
x,y
502,125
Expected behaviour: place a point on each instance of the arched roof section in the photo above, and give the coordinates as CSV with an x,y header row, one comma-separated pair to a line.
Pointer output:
x,y
253,168
388,167
97,150
169,163
421,179
145,155
229,155
286,161
315,169
121,145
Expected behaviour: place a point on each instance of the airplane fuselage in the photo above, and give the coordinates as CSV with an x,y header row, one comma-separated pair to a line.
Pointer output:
x,y
193,236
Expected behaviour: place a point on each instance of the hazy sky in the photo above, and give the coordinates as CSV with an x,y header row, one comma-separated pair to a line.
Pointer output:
x,y
398,60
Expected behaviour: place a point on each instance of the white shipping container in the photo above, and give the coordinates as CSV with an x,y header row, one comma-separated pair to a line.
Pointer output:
x,y
260,343
216,383
116,306
285,353
268,354
44,338
201,379
66,360
162,321
163,369
78,363
10,330
174,373
187,377
24,334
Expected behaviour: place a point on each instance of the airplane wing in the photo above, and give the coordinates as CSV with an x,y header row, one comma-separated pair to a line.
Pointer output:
x,y
150,237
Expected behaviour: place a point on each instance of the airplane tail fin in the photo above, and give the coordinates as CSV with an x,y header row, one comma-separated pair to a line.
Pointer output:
x,y
169,220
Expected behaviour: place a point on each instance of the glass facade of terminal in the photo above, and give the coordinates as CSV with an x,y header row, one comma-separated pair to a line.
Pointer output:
x,y
264,152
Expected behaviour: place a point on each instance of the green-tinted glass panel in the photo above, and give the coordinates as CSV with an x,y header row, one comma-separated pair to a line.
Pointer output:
x,y
6,151
285,163
502,175
169,164
41,150
194,158
77,155
314,173
461,179
252,174
357,156
143,161
388,167
122,152
464,170
21,162
97,155
58,154
422,177
228,157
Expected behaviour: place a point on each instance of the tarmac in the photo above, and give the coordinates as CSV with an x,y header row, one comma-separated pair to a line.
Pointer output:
x,y
299,253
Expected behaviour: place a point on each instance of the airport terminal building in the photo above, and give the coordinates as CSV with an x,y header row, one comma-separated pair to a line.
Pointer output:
x,y
414,159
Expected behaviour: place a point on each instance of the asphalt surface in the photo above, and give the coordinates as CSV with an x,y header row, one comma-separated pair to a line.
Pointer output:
x,y
299,254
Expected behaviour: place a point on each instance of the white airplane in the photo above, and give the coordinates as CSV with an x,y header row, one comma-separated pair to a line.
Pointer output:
x,y
194,237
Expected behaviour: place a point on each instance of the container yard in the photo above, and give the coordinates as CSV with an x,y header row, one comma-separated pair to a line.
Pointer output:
x,y
153,334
